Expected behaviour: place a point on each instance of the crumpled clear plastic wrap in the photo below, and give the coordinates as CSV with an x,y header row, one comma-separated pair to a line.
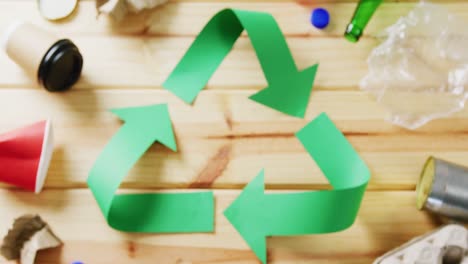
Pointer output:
x,y
420,71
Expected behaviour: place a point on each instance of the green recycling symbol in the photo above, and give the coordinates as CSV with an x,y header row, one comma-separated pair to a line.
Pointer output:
x,y
255,214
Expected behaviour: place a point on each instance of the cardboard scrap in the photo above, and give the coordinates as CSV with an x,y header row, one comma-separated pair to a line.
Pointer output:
x,y
28,235
119,8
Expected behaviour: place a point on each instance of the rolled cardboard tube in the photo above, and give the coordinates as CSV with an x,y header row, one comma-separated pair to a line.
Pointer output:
x,y
443,189
56,63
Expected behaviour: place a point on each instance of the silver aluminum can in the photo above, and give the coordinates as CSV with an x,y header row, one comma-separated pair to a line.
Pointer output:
x,y
443,189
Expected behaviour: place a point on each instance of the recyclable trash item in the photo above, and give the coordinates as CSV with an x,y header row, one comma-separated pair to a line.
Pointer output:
x,y
447,245
25,155
117,9
56,9
420,70
28,235
320,18
55,63
443,189
362,15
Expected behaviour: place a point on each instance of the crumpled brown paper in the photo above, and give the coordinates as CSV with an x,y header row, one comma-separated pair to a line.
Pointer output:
x,y
119,8
28,235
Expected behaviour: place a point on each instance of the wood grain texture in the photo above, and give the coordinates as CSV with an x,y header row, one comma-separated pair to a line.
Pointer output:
x,y
179,18
224,138
221,144
385,220
141,62
144,49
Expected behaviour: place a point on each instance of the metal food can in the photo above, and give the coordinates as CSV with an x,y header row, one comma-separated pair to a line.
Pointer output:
x,y
443,189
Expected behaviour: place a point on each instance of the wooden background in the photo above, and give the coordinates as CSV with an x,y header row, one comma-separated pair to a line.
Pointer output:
x,y
224,139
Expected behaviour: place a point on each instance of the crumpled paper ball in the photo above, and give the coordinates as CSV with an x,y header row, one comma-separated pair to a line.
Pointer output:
x,y
119,8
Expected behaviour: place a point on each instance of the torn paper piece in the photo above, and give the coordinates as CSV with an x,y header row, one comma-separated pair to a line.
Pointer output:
x,y
28,235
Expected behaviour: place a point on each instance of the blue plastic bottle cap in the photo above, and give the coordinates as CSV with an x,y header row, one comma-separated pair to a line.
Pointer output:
x,y
320,18
77,262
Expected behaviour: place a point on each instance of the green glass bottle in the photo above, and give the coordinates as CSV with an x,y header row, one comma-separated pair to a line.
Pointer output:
x,y
361,17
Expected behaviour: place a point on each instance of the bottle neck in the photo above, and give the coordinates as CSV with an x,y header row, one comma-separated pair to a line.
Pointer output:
x,y
360,19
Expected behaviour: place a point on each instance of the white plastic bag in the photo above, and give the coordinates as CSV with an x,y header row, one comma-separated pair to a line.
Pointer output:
x,y
420,71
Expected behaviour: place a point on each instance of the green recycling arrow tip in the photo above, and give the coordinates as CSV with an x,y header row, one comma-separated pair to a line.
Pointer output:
x,y
145,212
257,215
288,88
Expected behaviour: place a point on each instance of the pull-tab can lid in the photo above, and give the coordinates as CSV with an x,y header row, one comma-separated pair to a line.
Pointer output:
x,y
56,9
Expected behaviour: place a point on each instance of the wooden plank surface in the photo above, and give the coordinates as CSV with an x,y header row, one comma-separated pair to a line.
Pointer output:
x,y
224,138
385,220
221,144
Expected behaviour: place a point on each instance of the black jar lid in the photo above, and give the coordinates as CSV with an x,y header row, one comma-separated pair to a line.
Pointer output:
x,y
61,66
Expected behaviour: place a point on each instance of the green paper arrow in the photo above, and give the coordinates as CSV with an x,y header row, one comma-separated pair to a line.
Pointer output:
x,y
288,88
257,215
146,212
